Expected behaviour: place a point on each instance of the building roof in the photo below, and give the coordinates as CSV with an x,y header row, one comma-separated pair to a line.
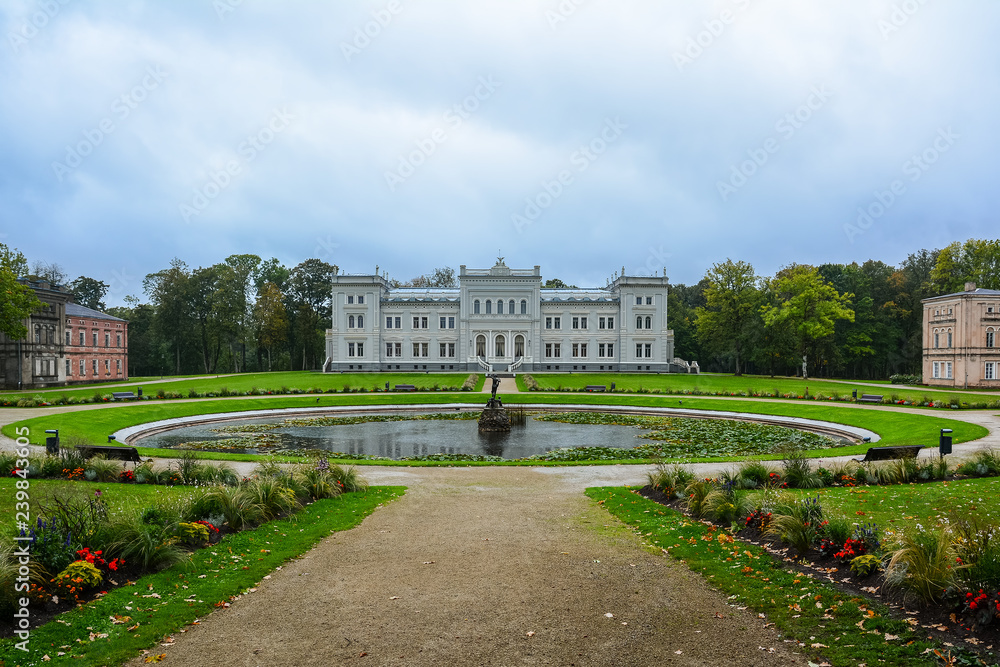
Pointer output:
x,y
76,310
570,295
979,291
422,294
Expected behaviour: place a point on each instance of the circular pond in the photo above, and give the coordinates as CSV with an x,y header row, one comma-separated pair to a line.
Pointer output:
x,y
406,434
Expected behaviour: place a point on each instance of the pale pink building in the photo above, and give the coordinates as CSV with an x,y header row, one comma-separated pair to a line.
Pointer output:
x,y
960,339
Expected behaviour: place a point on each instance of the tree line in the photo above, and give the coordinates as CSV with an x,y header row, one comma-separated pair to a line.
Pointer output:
x,y
861,321
249,314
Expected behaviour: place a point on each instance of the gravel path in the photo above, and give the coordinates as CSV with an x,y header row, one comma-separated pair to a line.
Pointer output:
x,y
483,566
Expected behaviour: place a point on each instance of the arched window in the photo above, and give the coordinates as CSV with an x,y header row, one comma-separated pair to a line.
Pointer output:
x,y
949,337
501,346
361,321
350,322
499,306
475,306
649,322
524,307
638,322
519,345
480,345
510,306
489,306
937,339
990,338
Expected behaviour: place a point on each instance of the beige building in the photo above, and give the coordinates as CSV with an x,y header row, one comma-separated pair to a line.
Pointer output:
x,y
960,339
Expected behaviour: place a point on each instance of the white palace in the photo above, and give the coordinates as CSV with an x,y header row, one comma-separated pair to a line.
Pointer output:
x,y
501,319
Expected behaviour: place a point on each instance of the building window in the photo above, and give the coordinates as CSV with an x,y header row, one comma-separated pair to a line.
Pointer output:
x,y
350,298
399,350
388,323
447,349
989,309
949,339
649,301
519,346
489,307
350,349
936,339
419,322
576,322
500,345
638,300
649,322
399,323
83,368
475,306
990,338
548,322
107,340
947,370
118,366
95,340
68,369
638,350
499,306
649,350
480,345
67,339
442,324
524,307
991,371
451,322
510,306
94,365
361,298
83,338
557,322
638,322
579,349
421,349
600,322
350,322
936,372
361,321
118,340
107,367
388,349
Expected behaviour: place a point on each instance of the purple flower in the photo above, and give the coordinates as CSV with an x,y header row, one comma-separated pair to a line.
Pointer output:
x,y
97,493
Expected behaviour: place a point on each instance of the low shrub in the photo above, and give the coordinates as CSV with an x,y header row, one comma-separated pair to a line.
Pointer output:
x,y
798,472
920,565
798,522
984,463
670,480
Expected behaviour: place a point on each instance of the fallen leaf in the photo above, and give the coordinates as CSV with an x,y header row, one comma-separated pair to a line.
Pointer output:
x,y
609,615
531,633
394,597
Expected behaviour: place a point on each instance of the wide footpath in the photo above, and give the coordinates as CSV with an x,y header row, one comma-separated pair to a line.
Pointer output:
x,y
484,566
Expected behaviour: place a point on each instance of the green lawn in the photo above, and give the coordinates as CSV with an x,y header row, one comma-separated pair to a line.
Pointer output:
x,y
899,507
303,380
673,383
895,428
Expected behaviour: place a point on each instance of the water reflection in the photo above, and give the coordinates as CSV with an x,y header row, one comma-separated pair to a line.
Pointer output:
x,y
399,439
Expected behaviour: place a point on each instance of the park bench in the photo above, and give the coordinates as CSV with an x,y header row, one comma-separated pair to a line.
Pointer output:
x,y
888,453
122,395
404,387
870,398
110,451
596,387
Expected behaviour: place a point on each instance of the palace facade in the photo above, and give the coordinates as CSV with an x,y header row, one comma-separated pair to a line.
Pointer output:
x,y
501,319
961,332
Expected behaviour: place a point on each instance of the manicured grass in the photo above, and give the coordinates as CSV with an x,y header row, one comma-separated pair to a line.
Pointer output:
x,y
824,620
900,507
232,567
676,383
895,428
114,495
304,380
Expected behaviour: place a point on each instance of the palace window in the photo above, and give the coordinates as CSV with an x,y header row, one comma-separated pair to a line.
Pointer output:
x,y
421,349
480,345
350,349
937,339
510,306
553,350
118,366
990,338
443,323
579,349
548,322
499,306
350,322
388,323
557,323
949,339
991,371
524,307
83,340
489,307
519,346
94,366
67,338
83,368
399,349
475,307
606,350
638,300
649,322
361,298
107,367
118,340
649,301
68,368
350,298
638,350
107,340
451,322
447,349
95,340
500,345
638,322
419,322
388,349
649,350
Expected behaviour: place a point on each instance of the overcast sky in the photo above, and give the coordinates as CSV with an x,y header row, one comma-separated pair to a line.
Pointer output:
x,y
582,135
